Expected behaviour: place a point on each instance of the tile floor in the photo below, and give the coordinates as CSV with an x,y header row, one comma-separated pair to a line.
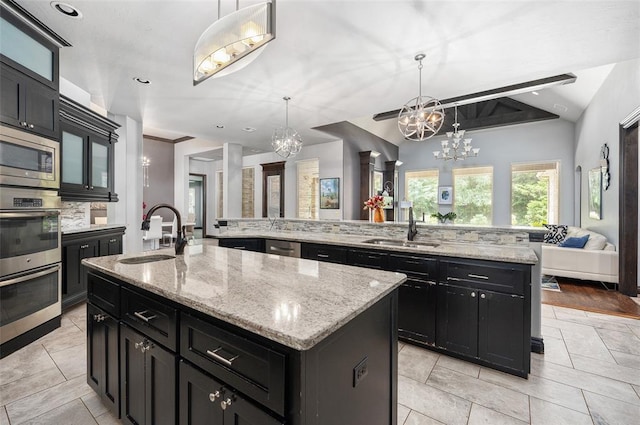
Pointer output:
x,y
590,374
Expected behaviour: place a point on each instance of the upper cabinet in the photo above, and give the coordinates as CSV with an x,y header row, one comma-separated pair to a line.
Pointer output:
x,y
30,77
87,160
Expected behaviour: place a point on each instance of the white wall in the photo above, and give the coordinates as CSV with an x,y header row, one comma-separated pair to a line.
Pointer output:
x,y
599,124
551,140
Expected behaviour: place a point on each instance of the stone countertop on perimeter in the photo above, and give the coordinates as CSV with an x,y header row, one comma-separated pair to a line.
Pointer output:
x,y
90,228
294,302
492,252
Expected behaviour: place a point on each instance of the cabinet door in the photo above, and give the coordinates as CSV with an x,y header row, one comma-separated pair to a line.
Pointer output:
x,y
160,386
331,254
74,282
247,244
241,412
132,374
11,104
501,337
111,245
73,159
42,113
369,259
200,398
100,165
457,328
95,348
417,310
102,357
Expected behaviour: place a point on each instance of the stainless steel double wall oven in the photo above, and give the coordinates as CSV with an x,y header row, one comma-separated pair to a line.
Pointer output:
x,y
30,239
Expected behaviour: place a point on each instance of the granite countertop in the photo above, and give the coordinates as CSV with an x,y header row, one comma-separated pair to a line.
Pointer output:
x,y
493,252
90,228
294,302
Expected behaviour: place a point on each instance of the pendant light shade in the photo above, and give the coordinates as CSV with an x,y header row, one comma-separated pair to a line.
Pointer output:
x,y
286,141
421,117
231,38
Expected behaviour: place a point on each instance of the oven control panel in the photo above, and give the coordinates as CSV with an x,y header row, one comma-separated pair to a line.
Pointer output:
x,y
27,202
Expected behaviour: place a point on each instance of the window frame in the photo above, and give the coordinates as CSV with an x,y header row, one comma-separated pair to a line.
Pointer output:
x,y
457,171
532,164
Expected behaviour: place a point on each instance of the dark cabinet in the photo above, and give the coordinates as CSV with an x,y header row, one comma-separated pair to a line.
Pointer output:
x,y
368,258
77,246
102,357
328,253
87,159
28,104
148,374
475,320
206,401
247,244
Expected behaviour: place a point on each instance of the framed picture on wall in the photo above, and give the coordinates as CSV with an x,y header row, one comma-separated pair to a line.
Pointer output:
x,y
445,195
330,193
595,193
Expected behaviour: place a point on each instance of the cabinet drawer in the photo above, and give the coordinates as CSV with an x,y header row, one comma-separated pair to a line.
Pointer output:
x,y
370,259
425,268
104,293
331,254
249,367
151,317
499,277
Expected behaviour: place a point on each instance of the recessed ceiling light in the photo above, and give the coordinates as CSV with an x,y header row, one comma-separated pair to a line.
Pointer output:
x,y
535,93
141,80
220,126
249,129
66,9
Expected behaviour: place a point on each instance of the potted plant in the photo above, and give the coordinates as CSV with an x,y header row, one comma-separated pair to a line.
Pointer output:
x,y
376,203
442,218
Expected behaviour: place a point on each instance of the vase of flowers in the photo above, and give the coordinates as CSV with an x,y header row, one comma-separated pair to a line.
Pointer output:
x,y
376,203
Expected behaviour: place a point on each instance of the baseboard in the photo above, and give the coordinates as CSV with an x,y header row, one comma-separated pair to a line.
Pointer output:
x,y
537,345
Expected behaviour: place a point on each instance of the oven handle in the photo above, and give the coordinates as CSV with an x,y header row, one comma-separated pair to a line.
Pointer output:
x,y
29,214
30,276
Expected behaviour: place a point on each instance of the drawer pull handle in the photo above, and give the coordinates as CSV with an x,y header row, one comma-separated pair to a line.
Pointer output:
x,y
84,246
277,248
226,403
218,357
483,296
99,317
473,295
412,262
453,278
478,276
373,257
112,240
323,255
213,396
141,315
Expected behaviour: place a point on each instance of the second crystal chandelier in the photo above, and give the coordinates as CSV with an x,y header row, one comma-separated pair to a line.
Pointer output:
x,y
455,147
286,141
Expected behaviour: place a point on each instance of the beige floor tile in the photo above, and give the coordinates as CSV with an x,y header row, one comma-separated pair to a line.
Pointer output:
x,y
616,319
586,342
613,371
432,402
637,388
94,404
400,345
626,359
72,413
570,311
635,329
416,363
489,395
546,413
627,342
547,311
608,411
584,380
35,405
27,361
549,332
458,365
416,418
544,389
403,412
4,420
63,338
480,415
555,351
72,361
108,419
588,321
29,385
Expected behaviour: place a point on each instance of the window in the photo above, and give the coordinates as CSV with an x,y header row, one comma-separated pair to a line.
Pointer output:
x,y
308,189
534,194
473,195
219,208
248,192
421,187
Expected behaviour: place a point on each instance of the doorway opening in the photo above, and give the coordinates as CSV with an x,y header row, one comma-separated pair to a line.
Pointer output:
x,y
197,208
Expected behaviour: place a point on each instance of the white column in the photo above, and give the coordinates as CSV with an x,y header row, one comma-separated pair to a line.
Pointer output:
x,y
232,180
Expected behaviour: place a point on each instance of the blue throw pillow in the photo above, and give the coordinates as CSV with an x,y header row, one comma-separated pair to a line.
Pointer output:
x,y
575,242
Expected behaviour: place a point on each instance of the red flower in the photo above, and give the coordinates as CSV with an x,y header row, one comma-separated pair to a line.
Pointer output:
x,y
374,202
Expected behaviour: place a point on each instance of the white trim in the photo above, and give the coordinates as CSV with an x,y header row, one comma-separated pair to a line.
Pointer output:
x,y
631,119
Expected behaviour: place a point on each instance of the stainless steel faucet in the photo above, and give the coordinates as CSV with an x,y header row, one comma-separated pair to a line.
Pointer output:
x,y
413,231
181,242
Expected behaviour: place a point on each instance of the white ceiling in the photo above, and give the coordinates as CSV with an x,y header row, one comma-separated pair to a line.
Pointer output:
x,y
338,60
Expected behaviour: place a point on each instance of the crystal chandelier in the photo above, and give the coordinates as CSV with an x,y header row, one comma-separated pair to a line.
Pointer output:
x,y
422,116
145,171
231,38
452,148
286,141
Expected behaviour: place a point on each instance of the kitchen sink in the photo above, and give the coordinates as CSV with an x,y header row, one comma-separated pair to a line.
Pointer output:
x,y
398,242
146,259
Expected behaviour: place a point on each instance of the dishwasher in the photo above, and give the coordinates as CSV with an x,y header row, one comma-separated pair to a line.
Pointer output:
x,y
282,248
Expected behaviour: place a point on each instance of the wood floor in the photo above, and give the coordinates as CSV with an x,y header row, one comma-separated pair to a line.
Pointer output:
x,y
591,296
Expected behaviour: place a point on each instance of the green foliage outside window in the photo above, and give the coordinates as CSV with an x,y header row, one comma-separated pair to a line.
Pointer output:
x,y
472,198
423,191
529,198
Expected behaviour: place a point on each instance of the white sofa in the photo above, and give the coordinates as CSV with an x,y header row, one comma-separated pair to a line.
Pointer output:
x,y
597,261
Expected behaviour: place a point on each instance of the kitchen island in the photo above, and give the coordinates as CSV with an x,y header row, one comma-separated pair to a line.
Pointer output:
x,y
232,336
